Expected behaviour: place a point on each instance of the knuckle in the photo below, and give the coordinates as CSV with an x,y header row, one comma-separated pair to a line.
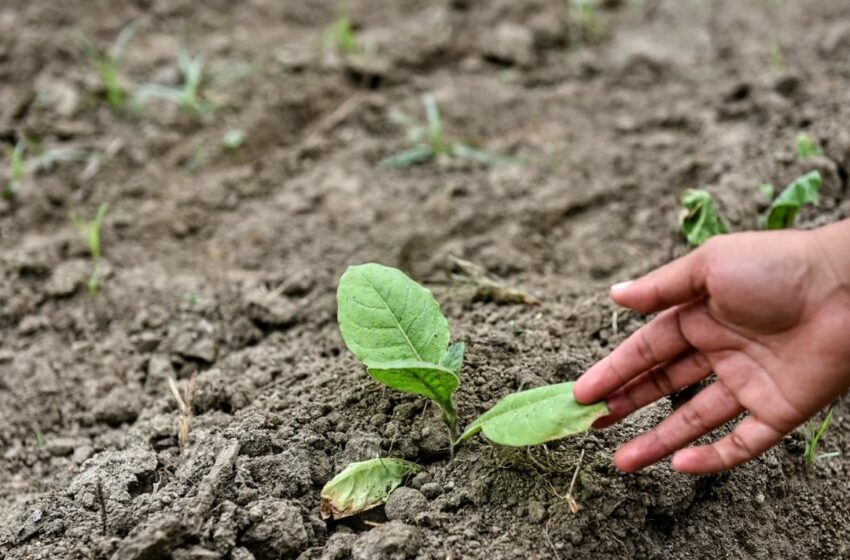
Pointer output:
x,y
644,348
740,447
693,418
661,379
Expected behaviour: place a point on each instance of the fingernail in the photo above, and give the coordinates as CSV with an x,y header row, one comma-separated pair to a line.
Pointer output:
x,y
620,286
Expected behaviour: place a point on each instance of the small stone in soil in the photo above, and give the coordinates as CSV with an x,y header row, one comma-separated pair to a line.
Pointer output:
x,y
405,503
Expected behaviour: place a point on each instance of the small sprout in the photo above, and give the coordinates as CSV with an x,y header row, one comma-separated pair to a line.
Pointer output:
x,y
17,170
91,232
536,416
814,432
807,147
585,25
190,96
341,36
768,190
430,144
699,219
784,209
108,64
39,435
396,329
363,486
233,139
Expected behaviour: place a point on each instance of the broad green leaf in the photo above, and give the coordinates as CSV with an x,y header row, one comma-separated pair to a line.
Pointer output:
x,y
536,416
803,190
385,317
807,147
362,486
420,378
453,359
700,220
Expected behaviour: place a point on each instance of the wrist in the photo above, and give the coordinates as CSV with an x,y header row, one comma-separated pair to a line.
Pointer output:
x,y
833,244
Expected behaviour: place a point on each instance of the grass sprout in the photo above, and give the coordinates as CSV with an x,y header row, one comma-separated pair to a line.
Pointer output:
x,y
108,63
91,232
341,36
189,95
807,147
585,24
430,143
17,170
814,432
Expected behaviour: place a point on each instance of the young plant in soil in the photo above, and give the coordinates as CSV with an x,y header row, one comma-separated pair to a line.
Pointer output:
x,y
16,171
91,232
807,147
190,95
700,220
108,64
813,433
341,36
430,144
396,329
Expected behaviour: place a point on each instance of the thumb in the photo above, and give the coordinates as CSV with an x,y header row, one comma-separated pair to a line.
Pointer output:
x,y
675,283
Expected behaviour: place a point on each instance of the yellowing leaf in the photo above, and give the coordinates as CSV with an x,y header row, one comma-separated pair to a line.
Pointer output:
x,y
536,416
362,486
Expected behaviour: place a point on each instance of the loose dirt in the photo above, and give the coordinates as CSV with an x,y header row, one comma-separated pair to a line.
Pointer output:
x,y
221,267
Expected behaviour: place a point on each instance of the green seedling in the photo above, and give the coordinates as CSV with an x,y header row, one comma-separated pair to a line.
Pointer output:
x,y
430,144
190,95
585,25
784,209
108,64
91,232
701,222
814,432
341,36
395,327
363,486
536,416
699,218
233,139
807,147
17,170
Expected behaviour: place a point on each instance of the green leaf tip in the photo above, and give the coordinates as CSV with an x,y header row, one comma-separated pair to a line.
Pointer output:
x,y
700,220
363,486
536,416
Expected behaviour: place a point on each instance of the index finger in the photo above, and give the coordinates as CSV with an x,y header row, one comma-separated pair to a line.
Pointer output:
x,y
659,341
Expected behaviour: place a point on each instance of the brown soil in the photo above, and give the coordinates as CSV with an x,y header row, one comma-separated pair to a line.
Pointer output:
x,y
223,265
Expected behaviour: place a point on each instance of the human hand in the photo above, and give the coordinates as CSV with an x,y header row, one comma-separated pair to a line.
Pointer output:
x,y
767,312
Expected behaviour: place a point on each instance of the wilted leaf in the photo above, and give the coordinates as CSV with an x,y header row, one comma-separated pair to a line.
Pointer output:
x,y
362,486
385,316
803,190
700,221
536,416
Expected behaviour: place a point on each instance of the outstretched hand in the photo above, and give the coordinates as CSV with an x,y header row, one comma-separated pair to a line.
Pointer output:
x,y
767,312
